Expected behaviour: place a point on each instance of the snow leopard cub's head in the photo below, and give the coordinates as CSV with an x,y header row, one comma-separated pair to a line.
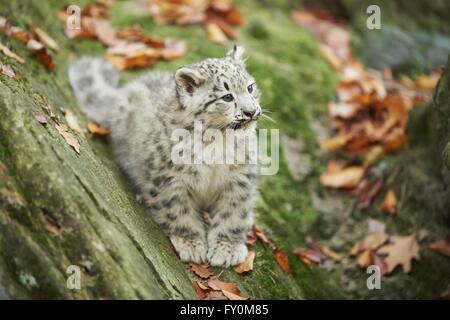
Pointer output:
x,y
220,92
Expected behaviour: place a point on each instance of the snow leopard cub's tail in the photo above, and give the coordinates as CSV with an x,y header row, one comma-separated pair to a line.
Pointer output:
x,y
94,82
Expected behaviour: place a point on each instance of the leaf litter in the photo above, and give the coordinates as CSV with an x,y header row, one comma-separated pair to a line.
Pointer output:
x,y
127,49
369,117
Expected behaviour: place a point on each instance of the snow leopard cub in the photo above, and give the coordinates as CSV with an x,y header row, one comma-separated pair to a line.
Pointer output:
x,y
218,93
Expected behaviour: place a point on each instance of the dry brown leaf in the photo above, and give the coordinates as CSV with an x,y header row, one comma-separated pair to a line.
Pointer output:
x,y
368,193
251,238
262,237
428,82
330,253
334,143
173,50
215,295
72,121
201,270
374,241
375,154
96,130
104,32
41,54
215,34
7,71
216,284
51,225
7,52
330,57
346,178
282,260
344,110
48,41
105,3
389,204
371,242
232,296
70,139
401,251
40,117
443,245
137,59
395,140
310,257
201,290
247,265
380,262
365,259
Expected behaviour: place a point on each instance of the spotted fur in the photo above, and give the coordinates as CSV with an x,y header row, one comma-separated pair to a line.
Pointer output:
x,y
142,116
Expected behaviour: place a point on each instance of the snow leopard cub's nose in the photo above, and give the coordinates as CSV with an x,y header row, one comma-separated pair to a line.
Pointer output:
x,y
250,113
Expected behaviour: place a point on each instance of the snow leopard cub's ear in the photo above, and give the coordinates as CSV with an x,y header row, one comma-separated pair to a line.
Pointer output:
x,y
237,53
189,79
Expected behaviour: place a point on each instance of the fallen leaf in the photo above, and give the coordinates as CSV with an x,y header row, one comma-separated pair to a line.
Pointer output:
x,y
48,41
389,204
251,238
7,52
40,117
380,262
215,34
401,251
137,59
41,54
96,130
282,260
365,259
217,16
428,82
201,290
232,296
247,265
262,237
443,245
7,71
369,192
346,178
70,139
344,110
371,242
72,121
330,253
334,143
310,257
330,57
216,284
201,270
215,295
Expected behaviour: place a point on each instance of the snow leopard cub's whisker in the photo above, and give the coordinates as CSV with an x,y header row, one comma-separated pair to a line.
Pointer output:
x,y
145,116
268,117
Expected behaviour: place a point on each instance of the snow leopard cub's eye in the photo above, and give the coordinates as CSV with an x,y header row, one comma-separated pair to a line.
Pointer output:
x,y
228,97
250,88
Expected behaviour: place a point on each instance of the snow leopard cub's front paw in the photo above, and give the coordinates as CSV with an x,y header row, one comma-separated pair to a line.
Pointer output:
x,y
224,253
190,250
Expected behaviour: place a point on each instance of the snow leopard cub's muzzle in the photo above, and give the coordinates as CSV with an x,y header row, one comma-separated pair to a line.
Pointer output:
x,y
247,110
